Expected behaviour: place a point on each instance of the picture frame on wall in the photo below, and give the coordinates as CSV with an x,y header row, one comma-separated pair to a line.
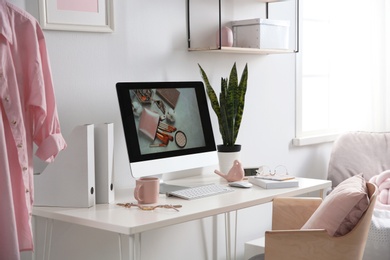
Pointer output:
x,y
76,15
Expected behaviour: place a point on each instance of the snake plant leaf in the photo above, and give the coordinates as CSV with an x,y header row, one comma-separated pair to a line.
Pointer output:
x,y
211,93
241,101
233,102
230,108
223,121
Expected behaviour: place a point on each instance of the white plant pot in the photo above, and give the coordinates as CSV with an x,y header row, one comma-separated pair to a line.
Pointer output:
x,y
226,158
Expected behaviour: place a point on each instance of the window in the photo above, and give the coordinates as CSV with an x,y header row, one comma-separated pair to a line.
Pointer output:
x,y
342,68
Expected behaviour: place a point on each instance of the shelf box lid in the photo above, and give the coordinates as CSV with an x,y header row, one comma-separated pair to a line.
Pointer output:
x,y
260,21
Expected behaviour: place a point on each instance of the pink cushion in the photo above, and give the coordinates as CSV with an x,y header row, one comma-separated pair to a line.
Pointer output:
x,y
342,208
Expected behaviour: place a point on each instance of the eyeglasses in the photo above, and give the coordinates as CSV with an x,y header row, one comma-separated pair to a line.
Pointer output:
x,y
149,208
278,170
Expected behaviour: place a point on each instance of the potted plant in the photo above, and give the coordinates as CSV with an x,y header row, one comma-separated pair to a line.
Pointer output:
x,y
229,108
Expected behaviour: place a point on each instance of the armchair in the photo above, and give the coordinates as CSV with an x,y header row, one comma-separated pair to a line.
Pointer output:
x,y
287,240
367,153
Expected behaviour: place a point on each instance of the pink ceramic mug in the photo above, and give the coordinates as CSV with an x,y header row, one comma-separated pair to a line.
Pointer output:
x,y
147,190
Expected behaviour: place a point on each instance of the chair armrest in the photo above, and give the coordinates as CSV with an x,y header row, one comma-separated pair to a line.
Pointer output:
x,y
292,213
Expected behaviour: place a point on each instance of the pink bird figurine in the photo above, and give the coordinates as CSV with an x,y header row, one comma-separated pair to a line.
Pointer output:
x,y
236,173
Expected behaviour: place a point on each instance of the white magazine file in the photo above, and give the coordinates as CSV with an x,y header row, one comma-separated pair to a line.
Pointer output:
x,y
69,181
104,163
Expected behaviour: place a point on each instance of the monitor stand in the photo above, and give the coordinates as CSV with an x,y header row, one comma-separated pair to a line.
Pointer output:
x,y
166,188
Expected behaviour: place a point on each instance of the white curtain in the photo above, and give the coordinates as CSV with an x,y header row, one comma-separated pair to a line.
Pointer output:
x,y
360,67
380,70
345,66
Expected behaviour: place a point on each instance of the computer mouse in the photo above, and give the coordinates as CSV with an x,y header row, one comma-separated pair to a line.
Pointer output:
x,y
240,184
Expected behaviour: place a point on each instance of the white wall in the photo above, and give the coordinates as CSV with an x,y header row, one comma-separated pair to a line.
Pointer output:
x,y
149,43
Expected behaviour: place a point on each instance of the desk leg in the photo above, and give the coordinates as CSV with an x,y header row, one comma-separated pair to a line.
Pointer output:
x,y
136,246
130,247
235,235
34,230
323,193
228,236
48,237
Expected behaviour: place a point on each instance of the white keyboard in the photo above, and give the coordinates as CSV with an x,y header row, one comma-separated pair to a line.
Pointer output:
x,y
200,191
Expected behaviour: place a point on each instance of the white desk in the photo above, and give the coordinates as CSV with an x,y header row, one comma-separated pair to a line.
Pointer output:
x,y
130,223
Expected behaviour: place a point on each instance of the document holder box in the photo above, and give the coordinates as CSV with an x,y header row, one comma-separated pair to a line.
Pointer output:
x,y
104,163
69,181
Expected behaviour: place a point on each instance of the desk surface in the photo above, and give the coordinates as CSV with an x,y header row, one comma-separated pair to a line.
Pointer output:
x,y
131,221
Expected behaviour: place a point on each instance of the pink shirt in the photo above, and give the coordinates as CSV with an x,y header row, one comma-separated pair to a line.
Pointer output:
x,y
27,114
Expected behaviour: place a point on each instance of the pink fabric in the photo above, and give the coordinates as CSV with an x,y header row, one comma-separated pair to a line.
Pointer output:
x,y
27,114
382,180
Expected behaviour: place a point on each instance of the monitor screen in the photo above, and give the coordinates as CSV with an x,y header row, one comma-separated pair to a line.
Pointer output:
x,y
167,126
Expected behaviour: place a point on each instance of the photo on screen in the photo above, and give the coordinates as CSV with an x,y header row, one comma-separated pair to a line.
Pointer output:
x,y
166,119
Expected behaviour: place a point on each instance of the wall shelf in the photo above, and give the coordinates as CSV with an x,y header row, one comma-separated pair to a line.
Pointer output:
x,y
221,49
271,1
242,50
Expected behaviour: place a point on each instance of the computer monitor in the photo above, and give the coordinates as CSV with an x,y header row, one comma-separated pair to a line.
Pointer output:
x,y
167,127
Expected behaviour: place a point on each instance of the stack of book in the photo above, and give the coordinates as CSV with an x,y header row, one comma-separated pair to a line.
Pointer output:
x,y
274,181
